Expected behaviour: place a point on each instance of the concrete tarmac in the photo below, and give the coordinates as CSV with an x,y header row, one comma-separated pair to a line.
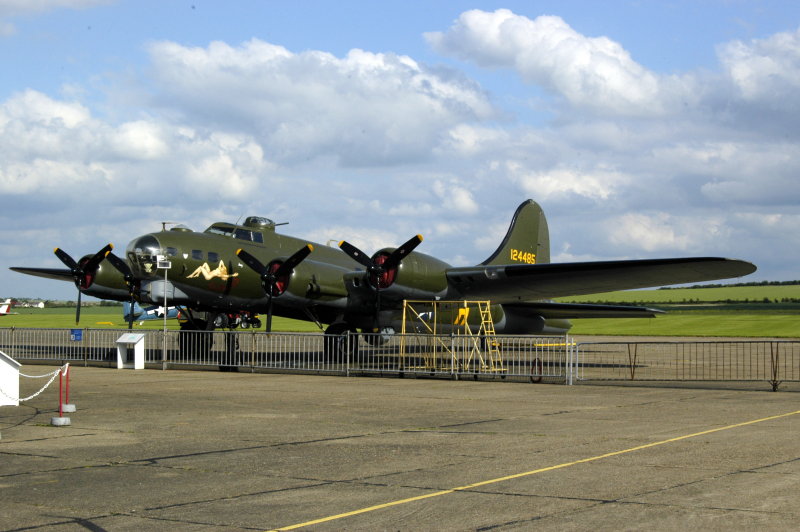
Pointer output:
x,y
202,450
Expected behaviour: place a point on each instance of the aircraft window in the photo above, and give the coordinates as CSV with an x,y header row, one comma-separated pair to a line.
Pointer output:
x,y
213,257
258,237
224,231
242,234
197,254
172,252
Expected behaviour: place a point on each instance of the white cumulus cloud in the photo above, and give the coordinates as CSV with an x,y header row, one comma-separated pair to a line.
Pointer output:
x,y
363,109
591,72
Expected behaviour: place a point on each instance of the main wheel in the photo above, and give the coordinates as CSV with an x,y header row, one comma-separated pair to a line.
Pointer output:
x,y
337,340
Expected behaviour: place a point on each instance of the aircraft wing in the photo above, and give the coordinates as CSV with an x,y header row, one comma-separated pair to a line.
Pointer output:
x,y
512,283
59,274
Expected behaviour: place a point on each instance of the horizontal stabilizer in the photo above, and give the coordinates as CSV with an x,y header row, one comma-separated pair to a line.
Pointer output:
x,y
568,311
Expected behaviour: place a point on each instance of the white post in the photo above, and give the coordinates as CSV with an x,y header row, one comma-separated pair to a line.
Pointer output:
x,y
163,264
9,380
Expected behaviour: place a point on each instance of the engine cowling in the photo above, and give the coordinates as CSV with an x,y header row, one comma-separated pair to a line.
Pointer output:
x,y
417,276
313,280
106,283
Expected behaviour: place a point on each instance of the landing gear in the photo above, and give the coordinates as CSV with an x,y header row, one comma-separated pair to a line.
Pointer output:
x,y
337,342
230,358
195,339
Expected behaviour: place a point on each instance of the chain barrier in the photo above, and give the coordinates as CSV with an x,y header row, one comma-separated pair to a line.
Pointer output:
x,y
62,370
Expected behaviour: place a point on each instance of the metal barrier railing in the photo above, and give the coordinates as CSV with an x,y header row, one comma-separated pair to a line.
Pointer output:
x,y
771,361
554,359
526,357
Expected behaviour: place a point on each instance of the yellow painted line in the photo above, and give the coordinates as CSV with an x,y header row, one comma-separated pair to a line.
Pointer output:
x,y
528,473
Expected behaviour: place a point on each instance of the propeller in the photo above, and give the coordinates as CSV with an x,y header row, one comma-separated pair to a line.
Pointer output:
x,y
382,267
275,275
83,272
130,280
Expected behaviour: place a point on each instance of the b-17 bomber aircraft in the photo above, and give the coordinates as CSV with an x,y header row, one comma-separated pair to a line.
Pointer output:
x,y
229,274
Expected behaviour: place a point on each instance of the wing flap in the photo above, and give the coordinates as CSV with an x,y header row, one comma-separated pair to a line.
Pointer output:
x,y
529,282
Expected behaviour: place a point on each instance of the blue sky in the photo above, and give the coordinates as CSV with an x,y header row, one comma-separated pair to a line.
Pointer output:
x,y
645,129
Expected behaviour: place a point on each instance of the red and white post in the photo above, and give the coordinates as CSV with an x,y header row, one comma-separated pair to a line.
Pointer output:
x,y
62,420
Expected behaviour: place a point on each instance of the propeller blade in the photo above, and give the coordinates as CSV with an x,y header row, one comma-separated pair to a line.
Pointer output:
x,y
292,262
400,253
251,261
125,270
269,278
356,254
68,261
378,269
268,327
121,266
79,273
98,257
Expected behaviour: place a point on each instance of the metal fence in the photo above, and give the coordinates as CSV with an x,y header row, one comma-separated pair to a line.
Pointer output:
x,y
771,361
527,358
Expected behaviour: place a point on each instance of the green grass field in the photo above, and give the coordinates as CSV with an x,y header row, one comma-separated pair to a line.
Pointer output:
x,y
96,317
750,325
747,311
691,312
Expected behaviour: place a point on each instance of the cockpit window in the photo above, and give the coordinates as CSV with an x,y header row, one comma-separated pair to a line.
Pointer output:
x,y
239,232
220,230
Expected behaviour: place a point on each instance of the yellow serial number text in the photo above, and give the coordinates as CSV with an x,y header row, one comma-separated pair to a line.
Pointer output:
x,y
523,256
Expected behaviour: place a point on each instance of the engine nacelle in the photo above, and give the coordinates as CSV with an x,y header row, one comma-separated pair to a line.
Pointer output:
x,y
418,276
107,283
312,280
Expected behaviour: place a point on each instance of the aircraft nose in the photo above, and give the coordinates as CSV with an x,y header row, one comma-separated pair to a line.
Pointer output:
x,y
143,254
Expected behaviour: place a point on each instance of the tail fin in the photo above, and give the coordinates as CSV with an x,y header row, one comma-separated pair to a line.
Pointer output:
x,y
527,240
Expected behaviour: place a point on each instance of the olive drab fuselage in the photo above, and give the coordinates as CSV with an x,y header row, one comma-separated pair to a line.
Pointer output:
x,y
205,274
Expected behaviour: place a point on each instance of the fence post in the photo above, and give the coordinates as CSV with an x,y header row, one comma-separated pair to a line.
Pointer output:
x,y
632,360
774,351
569,360
452,353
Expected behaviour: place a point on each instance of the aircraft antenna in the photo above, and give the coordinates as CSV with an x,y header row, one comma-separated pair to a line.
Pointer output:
x,y
164,225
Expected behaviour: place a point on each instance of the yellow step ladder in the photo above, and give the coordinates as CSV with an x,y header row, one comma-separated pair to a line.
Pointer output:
x,y
495,358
